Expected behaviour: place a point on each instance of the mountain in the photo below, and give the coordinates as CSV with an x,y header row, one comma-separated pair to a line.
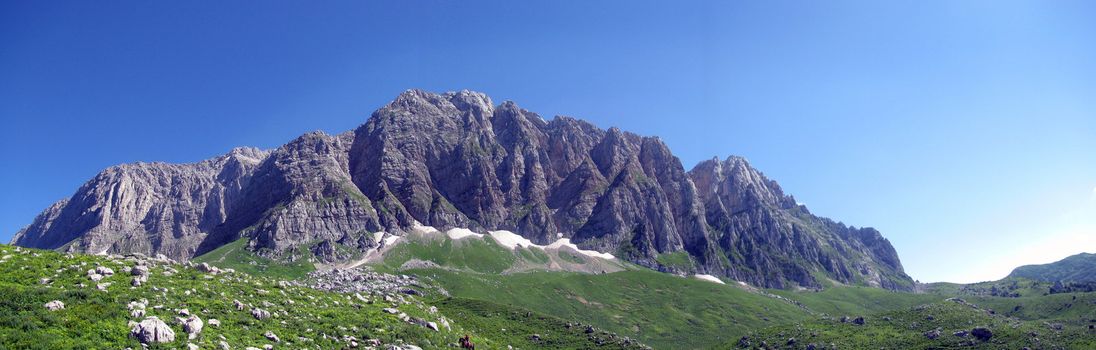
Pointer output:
x,y
456,160
1076,268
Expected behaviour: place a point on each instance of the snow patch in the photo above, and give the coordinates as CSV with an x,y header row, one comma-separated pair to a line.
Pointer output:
x,y
417,227
391,240
377,236
511,240
458,233
710,278
565,242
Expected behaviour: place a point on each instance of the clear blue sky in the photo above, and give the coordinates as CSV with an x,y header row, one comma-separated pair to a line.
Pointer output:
x,y
964,130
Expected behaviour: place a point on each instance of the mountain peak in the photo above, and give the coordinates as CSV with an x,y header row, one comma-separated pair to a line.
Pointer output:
x,y
454,160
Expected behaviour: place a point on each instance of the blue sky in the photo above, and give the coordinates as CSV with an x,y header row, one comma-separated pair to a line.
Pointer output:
x,y
964,130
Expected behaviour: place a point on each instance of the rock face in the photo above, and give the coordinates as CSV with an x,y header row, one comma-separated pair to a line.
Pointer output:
x,y
457,160
145,207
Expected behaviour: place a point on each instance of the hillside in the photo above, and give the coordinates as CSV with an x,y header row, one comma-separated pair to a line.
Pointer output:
x,y
457,160
471,284
668,311
101,308
1076,268
952,323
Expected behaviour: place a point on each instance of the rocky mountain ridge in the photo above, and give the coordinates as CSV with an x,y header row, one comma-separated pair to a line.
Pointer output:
x,y
457,160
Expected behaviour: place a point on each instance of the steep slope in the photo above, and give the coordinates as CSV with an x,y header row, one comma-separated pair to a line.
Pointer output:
x,y
769,238
456,160
1076,268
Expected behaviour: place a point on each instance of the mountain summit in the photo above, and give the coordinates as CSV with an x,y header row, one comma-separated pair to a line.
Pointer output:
x,y
457,160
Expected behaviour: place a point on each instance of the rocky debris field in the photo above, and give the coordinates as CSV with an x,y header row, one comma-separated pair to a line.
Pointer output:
x,y
361,280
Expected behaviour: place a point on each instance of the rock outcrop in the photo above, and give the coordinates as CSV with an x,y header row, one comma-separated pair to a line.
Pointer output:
x,y
458,160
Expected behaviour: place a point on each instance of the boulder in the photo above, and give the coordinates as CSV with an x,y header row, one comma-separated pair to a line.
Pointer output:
x,y
103,270
744,342
933,334
192,326
982,333
152,330
139,270
55,305
260,314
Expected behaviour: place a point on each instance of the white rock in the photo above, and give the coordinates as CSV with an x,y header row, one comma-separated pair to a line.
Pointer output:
x,y
152,330
55,305
260,314
103,270
192,326
139,270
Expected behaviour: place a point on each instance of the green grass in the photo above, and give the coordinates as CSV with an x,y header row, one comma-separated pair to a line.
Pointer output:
x,y
95,319
667,311
471,254
661,310
524,329
851,300
904,329
1078,268
677,260
236,256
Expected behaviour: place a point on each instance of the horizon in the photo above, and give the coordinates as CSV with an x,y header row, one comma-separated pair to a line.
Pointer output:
x,y
964,135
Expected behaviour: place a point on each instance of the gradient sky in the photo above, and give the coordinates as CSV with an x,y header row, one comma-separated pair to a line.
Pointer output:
x,y
964,130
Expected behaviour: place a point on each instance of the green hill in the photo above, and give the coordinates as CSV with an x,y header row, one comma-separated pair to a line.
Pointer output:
x,y
1076,268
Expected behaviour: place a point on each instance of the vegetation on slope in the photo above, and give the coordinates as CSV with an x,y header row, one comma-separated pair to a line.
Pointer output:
x,y
661,310
853,300
236,256
1076,268
522,328
940,325
97,314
